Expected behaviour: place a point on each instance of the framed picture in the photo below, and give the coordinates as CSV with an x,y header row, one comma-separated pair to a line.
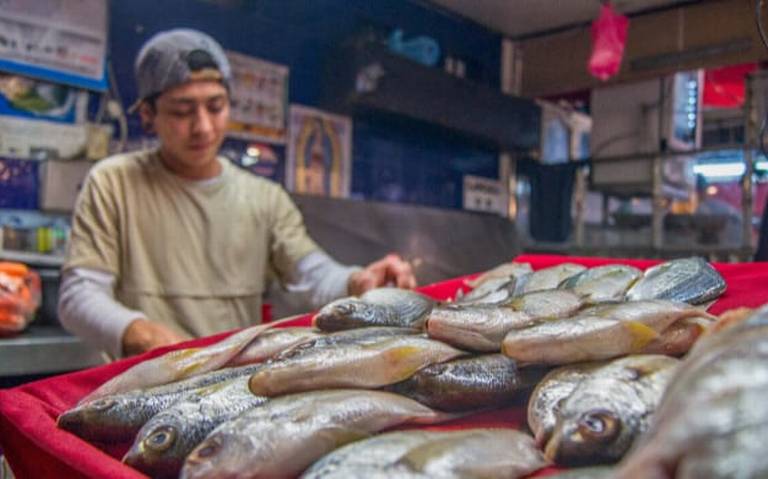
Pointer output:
x,y
319,152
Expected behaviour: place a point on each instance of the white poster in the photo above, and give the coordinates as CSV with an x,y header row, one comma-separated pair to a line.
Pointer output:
x,y
59,41
484,194
259,98
319,152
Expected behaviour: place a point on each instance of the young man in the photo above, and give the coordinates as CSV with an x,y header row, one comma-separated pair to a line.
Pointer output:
x,y
176,242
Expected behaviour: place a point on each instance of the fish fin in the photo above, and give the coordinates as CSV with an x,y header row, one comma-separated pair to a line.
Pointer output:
x,y
641,334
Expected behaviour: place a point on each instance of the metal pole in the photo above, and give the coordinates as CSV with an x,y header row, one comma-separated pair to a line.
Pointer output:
x,y
750,125
657,218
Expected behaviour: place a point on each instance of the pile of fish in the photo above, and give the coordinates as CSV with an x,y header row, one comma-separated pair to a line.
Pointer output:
x,y
269,402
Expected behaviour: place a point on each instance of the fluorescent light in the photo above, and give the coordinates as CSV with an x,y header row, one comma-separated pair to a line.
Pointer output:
x,y
719,169
761,165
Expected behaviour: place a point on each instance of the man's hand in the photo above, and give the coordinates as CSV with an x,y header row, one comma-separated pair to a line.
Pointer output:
x,y
142,335
391,269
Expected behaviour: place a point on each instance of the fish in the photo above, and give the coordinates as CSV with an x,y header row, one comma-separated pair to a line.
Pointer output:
x,y
358,336
179,364
483,327
351,366
119,418
286,435
608,409
465,384
471,453
163,443
713,419
687,280
497,285
270,343
377,307
603,283
593,472
549,395
367,458
550,278
600,332
678,339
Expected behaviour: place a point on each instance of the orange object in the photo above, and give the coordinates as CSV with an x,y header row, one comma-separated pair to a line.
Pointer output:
x,y
19,296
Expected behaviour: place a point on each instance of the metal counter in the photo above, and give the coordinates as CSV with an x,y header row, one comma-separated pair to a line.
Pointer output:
x,y
45,349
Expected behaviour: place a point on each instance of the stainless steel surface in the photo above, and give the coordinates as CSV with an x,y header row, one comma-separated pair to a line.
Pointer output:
x,y
45,349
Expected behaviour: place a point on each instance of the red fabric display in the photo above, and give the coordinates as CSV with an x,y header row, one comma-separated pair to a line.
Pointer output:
x,y
35,447
609,36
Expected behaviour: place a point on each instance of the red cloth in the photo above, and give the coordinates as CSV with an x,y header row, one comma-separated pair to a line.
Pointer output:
x,y
36,448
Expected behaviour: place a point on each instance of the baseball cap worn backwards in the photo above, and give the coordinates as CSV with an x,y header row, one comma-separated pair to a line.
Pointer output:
x,y
178,56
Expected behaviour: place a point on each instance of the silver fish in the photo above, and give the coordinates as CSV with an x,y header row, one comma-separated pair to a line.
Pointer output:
x,y
164,442
358,336
603,283
284,436
602,332
179,364
689,280
354,365
483,327
550,278
479,382
608,410
118,418
713,419
549,395
498,285
270,343
470,453
377,307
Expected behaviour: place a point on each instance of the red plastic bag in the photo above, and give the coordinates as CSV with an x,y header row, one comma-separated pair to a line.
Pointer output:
x,y
19,297
609,36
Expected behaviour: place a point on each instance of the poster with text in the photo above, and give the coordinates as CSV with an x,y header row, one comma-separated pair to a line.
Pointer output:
x,y
319,152
259,98
62,42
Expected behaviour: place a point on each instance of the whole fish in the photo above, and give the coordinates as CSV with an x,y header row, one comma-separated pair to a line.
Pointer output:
x,y
689,280
358,336
549,395
479,382
367,458
474,453
483,327
470,453
713,419
603,283
164,442
377,307
602,332
270,343
497,285
118,418
179,364
550,278
608,410
351,366
284,436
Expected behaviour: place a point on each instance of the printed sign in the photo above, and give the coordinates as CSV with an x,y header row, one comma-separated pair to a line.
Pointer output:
x,y
319,152
484,194
63,42
259,97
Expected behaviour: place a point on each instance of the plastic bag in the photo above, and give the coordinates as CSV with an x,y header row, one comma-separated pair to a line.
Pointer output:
x,y
609,36
19,297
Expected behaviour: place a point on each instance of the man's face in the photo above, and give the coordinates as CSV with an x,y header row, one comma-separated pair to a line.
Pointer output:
x,y
190,120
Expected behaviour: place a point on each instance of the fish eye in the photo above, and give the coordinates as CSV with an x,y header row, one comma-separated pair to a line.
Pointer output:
x,y
102,404
160,439
209,449
599,424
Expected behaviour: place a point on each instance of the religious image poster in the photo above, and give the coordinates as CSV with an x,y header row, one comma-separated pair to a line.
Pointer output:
x,y
319,152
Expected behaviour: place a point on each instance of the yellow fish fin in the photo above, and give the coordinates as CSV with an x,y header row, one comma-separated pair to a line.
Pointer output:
x,y
641,334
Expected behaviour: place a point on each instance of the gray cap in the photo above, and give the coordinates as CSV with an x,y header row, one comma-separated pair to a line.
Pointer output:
x,y
177,56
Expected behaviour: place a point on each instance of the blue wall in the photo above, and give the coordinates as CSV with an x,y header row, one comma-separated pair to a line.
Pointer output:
x,y
393,159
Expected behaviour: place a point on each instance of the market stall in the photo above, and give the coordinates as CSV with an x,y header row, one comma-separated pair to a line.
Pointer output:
x,y
35,447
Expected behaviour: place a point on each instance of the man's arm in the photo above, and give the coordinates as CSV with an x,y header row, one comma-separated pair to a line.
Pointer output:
x,y
88,309
319,279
